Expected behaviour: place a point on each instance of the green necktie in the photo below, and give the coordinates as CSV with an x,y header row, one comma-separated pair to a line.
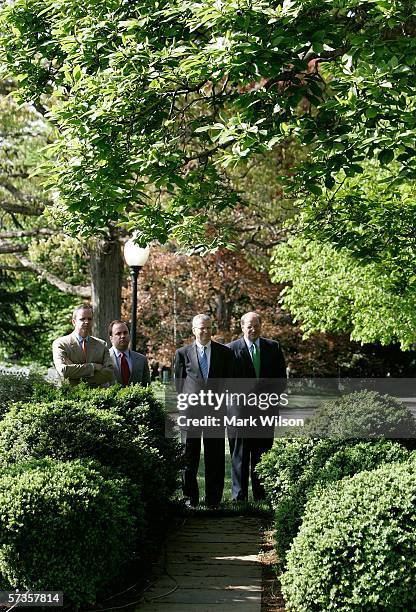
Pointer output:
x,y
255,353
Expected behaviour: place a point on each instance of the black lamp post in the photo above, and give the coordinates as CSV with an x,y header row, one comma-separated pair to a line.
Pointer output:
x,y
135,257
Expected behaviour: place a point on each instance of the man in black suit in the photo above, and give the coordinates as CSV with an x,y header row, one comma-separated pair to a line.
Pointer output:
x,y
262,359
203,365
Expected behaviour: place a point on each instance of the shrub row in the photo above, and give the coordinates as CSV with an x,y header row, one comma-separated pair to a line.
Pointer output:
x,y
111,474
332,559
65,526
363,415
293,468
356,548
16,387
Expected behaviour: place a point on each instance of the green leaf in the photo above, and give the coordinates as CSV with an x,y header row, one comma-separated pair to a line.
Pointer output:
x,y
371,112
329,181
386,156
315,189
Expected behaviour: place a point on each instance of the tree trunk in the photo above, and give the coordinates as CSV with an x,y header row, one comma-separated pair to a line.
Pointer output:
x,y
223,313
106,280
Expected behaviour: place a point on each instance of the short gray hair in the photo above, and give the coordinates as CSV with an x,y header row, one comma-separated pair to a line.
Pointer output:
x,y
200,317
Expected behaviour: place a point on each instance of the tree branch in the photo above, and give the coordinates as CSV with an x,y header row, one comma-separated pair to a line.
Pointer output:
x,y
326,56
12,247
40,108
41,231
15,268
291,73
13,190
14,175
80,290
20,209
18,194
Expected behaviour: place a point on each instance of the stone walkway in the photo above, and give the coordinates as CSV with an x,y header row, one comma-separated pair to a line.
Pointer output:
x,y
209,565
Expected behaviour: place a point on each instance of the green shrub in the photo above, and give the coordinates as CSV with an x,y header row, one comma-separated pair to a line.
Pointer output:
x,y
143,414
363,414
140,409
65,430
65,526
356,548
121,428
281,471
281,468
292,469
20,387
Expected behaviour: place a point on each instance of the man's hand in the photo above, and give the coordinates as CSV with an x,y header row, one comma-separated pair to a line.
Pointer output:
x,y
97,367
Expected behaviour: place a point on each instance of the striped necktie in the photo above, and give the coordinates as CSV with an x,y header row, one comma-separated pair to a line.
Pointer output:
x,y
203,362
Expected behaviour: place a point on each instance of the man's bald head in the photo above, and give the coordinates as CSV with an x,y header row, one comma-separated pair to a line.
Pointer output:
x,y
251,326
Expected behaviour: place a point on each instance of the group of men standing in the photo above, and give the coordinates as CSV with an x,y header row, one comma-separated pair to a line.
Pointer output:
x,y
209,364
79,356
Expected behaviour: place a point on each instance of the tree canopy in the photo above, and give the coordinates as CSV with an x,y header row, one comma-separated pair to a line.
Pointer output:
x,y
156,103
174,94
332,291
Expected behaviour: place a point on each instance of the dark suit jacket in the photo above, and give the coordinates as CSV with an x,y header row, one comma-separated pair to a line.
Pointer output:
x,y
188,375
272,377
140,372
272,361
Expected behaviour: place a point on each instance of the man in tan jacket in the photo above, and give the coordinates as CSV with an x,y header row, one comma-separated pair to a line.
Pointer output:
x,y
81,357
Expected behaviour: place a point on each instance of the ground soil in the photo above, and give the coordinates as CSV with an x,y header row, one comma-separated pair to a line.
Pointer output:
x,y
271,598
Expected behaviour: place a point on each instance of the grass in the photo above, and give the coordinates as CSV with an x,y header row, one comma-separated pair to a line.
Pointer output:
x,y
227,505
227,481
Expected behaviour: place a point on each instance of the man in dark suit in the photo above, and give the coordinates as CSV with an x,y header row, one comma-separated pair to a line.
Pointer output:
x,y
262,359
203,365
129,366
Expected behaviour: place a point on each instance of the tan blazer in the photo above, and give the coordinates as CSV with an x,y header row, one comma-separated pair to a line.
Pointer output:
x,y
72,365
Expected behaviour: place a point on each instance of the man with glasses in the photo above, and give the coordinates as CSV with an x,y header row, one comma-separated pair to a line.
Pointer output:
x,y
203,366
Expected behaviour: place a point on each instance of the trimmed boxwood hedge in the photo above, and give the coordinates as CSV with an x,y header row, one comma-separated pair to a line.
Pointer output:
x,y
66,430
337,422
281,468
137,405
293,468
17,387
65,526
143,414
134,444
363,415
123,432
356,548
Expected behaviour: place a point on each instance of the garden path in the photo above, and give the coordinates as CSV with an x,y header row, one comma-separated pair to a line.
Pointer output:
x,y
211,564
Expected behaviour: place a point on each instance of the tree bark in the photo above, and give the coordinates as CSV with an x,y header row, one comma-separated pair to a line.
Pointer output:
x,y
106,281
223,314
20,209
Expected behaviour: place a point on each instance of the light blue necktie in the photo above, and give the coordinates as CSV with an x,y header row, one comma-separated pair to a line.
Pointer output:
x,y
203,362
